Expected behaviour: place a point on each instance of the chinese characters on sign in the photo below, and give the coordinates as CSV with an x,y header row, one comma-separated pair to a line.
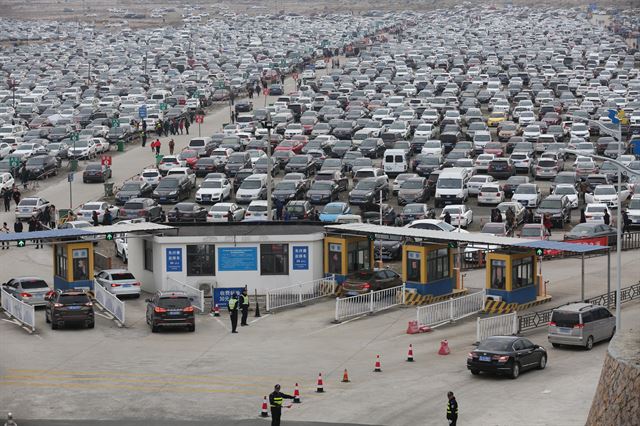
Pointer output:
x,y
300,258
174,259
221,296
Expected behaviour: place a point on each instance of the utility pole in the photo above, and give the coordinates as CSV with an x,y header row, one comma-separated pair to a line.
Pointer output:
x,y
268,124
619,237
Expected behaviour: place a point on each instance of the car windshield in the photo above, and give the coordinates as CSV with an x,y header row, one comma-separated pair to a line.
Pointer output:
x,y
565,190
495,345
363,275
73,299
196,143
130,187
36,161
493,228
251,184
92,206
413,208
134,206
320,186
526,189
188,154
412,184
333,209
257,208
582,229
117,276
174,302
168,184
448,183
185,207
596,209
565,319
634,204
604,190
150,174
298,160
530,231
452,210
551,204
33,284
286,186
366,185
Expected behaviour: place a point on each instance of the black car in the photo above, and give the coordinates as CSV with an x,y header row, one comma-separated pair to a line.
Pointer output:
x,y
70,306
205,165
323,191
556,206
369,191
187,212
340,148
303,163
96,172
172,190
287,190
416,211
371,214
372,147
281,160
237,161
388,249
243,105
424,164
413,190
133,189
170,309
512,184
276,90
300,210
59,133
145,208
42,166
118,134
508,355
501,168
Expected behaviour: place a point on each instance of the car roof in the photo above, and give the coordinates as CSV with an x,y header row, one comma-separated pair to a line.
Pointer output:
x,y
576,307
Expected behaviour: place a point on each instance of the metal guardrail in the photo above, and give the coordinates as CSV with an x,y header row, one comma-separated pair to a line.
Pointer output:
x,y
500,325
19,310
299,293
196,296
110,302
369,303
537,319
450,310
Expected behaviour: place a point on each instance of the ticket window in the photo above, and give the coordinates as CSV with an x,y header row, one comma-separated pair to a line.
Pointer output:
x,y
80,264
498,274
335,259
414,266
522,273
438,266
61,263
358,256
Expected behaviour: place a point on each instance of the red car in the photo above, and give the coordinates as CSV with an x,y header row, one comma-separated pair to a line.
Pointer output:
x,y
495,148
301,138
190,157
290,145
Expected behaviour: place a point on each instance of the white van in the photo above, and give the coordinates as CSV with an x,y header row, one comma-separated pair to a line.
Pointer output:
x,y
160,96
395,161
451,187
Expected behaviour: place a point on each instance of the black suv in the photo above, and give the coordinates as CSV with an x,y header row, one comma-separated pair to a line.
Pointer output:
x,y
556,206
70,306
172,190
170,309
41,166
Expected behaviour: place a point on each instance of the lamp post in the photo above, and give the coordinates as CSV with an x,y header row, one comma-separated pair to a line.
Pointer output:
x,y
268,124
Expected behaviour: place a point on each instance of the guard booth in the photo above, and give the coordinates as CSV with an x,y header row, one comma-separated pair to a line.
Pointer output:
x,y
344,255
73,265
429,268
511,275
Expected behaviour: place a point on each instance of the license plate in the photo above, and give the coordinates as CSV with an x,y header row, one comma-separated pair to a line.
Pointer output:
x,y
126,285
174,312
74,308
163,198
564,330
485,358
25,210
206,197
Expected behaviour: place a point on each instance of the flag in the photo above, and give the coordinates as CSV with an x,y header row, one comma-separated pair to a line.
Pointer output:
x,y
613,115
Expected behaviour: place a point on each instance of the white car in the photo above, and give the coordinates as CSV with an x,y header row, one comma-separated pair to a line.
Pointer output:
x,y
293,129
225,212
119,282
460,214
5,149
491,193
579,130
605,194
432,147
595,212
75,224
633,210
168,162
26,150
518,210
476,182
400,179
102,145
6,181
482,162
83,149
151,176
183,171
434,225
257,211
424,130
86,211
256,154
527,194
570,191
30,207
213,191
252,188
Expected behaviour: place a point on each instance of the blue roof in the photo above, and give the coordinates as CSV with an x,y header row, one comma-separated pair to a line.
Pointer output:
x,y
43,235
560,245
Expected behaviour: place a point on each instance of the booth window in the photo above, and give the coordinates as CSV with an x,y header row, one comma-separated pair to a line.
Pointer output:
x,y
61,261
80,264
498,271
358,254
201,260
148,255
437,264
521,273
413,266
274,259
335,259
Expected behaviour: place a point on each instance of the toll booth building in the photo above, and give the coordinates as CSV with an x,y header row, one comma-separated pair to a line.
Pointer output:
x,y
262,256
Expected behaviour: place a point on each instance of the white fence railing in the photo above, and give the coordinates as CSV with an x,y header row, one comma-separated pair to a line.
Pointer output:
x,y
21,311
369,303
300,293
196,296
450,310
500,325
110,302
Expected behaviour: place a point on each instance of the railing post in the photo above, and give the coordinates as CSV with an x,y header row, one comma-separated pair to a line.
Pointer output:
x,y
477,329
371,301
337,309
451,318
266,294
404,293
300,294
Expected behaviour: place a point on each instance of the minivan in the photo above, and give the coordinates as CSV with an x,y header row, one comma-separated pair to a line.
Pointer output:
x,y
451,187
395,161
581,324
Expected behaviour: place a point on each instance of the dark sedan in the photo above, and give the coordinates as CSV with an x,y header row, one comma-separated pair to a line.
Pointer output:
x,y
303,163
146,208
388,249
96,172
133,189
42,166
365,281
592,230
371,214
512,184
508,355
413,190
287,190
369,191
187,212
205,165
322,192
416,211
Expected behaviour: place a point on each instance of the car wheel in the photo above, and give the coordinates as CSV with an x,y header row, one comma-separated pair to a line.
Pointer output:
x,y
46,318
515,371
613,333
475,372
154,328
556,345
543,362
589,345
54,326
192,328
92,324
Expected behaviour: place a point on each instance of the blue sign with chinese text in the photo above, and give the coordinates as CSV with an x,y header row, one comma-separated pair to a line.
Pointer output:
x,y
174,259
237,259
221,296
300,258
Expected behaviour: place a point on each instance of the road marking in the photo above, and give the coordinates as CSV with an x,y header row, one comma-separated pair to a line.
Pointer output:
x,y
107,316
221,323
12,321
259,318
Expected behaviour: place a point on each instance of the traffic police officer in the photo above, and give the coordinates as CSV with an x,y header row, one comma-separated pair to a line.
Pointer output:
x,y
275,400
452,409
244,306
233,311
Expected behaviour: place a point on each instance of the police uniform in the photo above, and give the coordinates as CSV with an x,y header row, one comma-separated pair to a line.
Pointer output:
x,y
275,401
244,306
452,411
233,311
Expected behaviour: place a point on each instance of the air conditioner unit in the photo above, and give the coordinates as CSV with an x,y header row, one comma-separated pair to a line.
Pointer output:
x,y
493,298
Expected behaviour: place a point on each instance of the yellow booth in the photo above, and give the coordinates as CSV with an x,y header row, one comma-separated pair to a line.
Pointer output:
x,y
429,268
73,265
344,255
511,275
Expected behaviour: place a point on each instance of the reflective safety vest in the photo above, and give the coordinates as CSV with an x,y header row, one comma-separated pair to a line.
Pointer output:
x,y
232,303
455,407
245,300
277,401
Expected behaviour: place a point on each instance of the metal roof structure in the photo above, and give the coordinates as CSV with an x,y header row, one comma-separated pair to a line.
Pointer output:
x,y
121,228
469,238
90,231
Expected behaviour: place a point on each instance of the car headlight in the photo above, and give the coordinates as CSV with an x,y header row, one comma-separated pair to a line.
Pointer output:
x,y
173,192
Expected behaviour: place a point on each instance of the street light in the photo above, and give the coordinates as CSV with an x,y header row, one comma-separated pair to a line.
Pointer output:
x,y
268,124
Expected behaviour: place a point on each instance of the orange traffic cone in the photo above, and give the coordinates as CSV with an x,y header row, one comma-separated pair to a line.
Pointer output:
x,y
264,412
345,376
320,386
378,367
216,310
410,354
296,395
444,348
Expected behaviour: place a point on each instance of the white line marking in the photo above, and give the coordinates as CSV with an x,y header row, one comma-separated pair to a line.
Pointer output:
x,y
259,318
12,321
107,316
221,323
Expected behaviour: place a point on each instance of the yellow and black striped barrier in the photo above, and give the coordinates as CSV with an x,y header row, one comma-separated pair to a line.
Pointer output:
x,y
501,307
415,299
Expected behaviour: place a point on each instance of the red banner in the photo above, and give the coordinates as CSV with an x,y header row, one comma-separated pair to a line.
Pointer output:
x,y
598,241
105,160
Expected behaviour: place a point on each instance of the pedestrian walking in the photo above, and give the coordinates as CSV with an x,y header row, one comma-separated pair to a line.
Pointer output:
x,y
547,223
181,125
5,230
52,216
144,138
447,217
95,219
24,176
159,128
257,89
107,219
607,217
186,126
167,127
452,409
45,219
6,196
33,227
279,207
527,216
276,398
232,97
244,307
233,117
583,218
16,195
18,227
172,145
158,145
233,311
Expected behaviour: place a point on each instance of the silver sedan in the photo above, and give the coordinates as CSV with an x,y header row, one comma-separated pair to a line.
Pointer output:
x,y
119,282
30,290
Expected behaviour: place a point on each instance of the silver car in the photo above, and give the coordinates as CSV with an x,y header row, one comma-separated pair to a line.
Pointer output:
x,y
581,324
119,282
30,290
